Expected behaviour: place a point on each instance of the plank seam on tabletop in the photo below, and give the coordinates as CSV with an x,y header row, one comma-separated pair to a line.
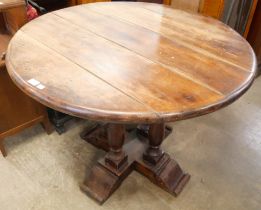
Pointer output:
x,y
150,116
130,96
202,51
173,69
205,52
158,115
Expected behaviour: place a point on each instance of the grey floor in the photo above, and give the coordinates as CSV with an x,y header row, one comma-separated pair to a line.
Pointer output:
x,y
222,152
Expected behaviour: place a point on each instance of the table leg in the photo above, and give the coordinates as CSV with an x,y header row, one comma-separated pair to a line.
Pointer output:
x,y
158,166
116,158
156,136
106,176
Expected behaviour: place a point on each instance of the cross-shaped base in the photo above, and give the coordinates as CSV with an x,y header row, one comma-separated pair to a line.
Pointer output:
x,y
107,175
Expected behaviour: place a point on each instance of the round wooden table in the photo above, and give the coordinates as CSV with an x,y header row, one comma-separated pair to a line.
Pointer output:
x,y
125,63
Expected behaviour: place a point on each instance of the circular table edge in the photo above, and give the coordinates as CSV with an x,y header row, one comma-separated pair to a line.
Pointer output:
x,y
129,117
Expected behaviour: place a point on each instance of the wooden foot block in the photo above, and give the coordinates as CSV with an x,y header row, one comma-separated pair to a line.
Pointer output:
x,y
101,183
167,174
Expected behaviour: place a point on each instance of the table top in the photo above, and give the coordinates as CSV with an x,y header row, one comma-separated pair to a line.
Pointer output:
x,y
130,62
6,4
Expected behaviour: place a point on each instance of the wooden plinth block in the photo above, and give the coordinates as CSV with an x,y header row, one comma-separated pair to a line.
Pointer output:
x,y
167,174
101,183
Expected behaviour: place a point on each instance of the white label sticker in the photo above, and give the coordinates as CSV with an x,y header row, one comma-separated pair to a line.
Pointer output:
x,y
33,82
41,87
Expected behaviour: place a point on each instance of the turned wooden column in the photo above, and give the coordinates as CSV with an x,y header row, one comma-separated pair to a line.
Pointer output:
x,y
156,136
116,157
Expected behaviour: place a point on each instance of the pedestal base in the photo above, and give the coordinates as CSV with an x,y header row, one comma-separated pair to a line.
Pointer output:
x,y
103,180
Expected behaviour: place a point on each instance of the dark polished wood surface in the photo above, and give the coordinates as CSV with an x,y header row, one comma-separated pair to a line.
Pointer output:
x,y
131,62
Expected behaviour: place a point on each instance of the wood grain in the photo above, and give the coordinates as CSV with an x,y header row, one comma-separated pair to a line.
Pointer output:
x,y
193,31
99,95
131,36
149,63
